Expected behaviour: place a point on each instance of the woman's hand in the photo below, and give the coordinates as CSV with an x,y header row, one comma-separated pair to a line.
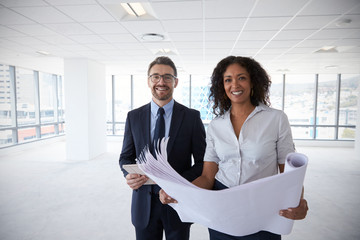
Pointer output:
x,y
164,198
135,180
297,213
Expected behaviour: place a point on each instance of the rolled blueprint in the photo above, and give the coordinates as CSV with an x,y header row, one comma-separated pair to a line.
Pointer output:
x,y
239,210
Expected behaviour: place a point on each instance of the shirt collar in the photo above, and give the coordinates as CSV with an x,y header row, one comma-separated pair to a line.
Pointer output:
x,y
258,108
167,108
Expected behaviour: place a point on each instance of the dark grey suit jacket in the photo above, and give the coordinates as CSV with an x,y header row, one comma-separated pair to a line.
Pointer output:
x,y
187,140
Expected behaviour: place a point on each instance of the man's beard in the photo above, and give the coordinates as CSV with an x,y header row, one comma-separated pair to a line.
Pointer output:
x,y
162,98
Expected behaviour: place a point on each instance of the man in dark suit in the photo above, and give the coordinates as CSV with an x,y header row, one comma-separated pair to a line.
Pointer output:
x,y
187,140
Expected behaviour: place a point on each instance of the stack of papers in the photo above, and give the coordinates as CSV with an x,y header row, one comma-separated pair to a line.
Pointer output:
x,y
238,211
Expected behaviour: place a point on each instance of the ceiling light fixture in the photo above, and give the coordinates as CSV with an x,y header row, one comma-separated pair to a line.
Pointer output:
x,y
153,37
135,9
343,22
43,53
327,49
331,67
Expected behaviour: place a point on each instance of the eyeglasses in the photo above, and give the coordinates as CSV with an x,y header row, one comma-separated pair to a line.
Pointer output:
x,y
155,78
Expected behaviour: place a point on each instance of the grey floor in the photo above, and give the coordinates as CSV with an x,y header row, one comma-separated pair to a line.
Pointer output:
x,y
45,196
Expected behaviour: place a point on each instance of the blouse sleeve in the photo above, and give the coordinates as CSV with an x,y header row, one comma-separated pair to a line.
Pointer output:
x,y
285,143
210,152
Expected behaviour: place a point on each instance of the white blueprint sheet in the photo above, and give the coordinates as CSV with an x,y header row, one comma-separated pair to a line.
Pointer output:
x,y
238,211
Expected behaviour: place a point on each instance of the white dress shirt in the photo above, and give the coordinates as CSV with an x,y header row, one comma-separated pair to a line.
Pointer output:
x,y
264,141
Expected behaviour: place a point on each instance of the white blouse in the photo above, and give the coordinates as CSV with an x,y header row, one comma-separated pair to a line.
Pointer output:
x,y
264,141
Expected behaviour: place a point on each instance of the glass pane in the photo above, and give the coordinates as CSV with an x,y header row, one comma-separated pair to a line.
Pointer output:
x,y
109,129
181,92
346,133
348,99
6,138
299,98
109,98
325,133
200,90
142,93
61,128
122,97
61,98
47,131
326,107
276,91
302,132
25,94
26,134
5,96
119,129
48,98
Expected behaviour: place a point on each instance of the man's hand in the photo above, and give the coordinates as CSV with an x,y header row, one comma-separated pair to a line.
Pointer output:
x,y
297,213
135,180
164,198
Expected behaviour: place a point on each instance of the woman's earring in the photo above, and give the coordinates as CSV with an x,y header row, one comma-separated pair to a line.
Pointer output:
x,y
252,92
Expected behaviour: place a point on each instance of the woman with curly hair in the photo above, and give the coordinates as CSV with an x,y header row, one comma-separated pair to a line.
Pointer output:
x,y
247,140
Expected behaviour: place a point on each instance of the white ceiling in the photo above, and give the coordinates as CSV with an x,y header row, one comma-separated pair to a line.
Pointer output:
x,y
283,35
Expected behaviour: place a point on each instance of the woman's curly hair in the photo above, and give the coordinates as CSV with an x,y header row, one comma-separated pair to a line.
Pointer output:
x,y
259,78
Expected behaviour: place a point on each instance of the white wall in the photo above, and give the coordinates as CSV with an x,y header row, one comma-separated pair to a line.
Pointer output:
x,y
85,99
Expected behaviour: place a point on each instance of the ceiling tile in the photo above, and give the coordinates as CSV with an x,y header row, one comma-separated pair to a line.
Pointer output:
x,y
68,28
141,27
32,29
26,40
19,3
294,34
117,38
186,36
228,9
56,39
10,17
266,23
278,8
43,14
87,39
329,7
234,24
8,32
87,13
335,33
256,35
178,10
70,2
309,22
100,46
186,25
105,27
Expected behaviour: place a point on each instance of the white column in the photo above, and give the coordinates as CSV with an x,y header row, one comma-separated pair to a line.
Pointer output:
x,y
357,136
85,104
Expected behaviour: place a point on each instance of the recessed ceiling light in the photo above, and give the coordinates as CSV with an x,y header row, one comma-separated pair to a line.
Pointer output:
x,y
343,22
43,53
327,49
152,37
135,9
331,67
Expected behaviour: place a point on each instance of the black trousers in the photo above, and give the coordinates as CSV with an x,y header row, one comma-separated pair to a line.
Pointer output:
x,y
163,218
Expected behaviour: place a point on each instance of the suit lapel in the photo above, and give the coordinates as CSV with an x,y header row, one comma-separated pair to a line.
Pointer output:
x,y
145,126
177,117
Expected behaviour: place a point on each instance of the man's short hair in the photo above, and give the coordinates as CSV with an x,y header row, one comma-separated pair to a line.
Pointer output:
x,y
164,61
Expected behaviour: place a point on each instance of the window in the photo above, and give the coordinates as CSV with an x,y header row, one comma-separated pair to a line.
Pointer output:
x,y
47,84
5,105
312,102
25,95
39,96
